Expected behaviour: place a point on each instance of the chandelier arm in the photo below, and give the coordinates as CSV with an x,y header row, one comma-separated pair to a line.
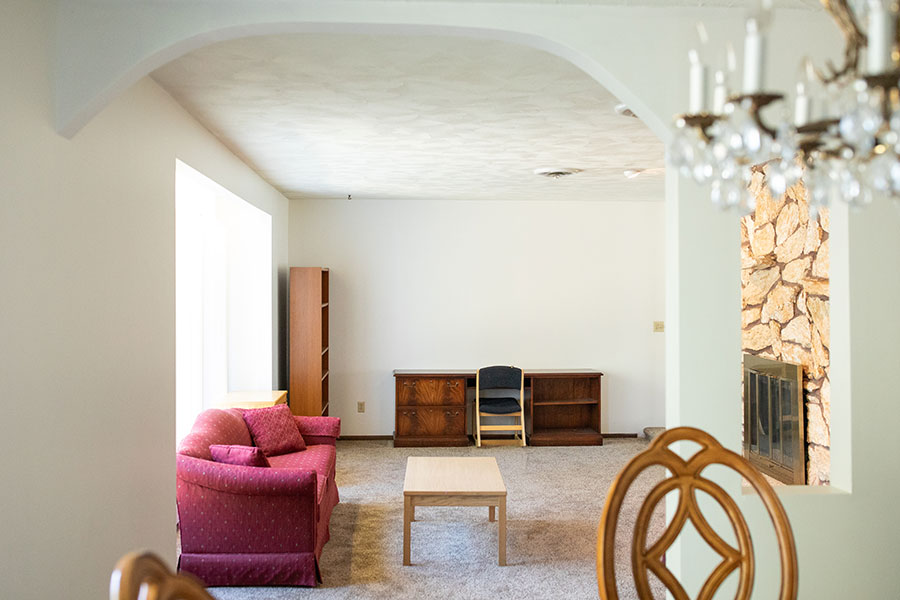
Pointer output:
x,y
854,39
756,103
818,127
762,126
701,122
888,84
813,148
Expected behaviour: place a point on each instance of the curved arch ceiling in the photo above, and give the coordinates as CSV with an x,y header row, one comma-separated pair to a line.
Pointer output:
x,y
415,117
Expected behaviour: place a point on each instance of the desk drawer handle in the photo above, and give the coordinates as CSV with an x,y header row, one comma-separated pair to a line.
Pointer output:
x,y
408,413
455,413
410,383
453,384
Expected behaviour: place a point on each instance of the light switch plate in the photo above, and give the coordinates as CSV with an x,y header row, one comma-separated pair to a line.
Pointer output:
x,y
361,407
659,326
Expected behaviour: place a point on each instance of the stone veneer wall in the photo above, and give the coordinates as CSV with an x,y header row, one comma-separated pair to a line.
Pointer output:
x,y
784,295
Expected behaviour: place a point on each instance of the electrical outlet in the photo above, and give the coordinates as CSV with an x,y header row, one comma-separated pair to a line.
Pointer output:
x,y
659,326
360,407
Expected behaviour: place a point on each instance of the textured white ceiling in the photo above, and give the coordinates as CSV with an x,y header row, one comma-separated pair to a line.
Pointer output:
x,y
414,118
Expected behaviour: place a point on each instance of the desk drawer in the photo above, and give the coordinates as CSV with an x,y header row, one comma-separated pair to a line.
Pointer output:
x,y
431,391
431,421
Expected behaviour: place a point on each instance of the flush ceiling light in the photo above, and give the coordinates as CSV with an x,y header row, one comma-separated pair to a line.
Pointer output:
x,y
556,172
622,109
632,173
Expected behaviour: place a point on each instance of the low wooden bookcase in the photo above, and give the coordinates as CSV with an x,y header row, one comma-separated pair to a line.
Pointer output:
x,y
562,407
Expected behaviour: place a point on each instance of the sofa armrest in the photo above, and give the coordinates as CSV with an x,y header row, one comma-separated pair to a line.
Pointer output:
x,y
250,481
232,509
319,430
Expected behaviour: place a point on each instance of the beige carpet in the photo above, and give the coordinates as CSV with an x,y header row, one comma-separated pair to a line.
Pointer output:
x,y
555,497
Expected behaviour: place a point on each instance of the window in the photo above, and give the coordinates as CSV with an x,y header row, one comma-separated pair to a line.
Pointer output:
x,y
223,295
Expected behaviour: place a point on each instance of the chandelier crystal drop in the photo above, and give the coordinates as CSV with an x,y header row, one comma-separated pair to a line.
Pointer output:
x,y
840,132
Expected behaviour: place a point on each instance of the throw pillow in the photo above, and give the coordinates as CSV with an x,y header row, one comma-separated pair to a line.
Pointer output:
x,y
274,430
247,456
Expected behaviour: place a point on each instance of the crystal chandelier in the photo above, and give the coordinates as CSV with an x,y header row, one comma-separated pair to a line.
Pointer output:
x,y
848,151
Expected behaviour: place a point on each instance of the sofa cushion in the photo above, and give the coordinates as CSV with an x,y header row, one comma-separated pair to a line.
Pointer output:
x,y
247,456
320,427
273,430
215,426
319,458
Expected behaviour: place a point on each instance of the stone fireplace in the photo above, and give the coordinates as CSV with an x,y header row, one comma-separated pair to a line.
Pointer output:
x,y
785,304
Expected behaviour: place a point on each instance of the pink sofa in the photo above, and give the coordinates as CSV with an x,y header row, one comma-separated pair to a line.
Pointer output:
x,y
251,525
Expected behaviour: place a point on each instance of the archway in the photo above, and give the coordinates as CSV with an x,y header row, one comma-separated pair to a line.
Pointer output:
x,y
92,70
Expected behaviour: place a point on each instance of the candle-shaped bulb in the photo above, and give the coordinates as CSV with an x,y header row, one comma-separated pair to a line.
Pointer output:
x,y
701,33
801,106
754,57
880,34
697,84
809,69
720,93
730,58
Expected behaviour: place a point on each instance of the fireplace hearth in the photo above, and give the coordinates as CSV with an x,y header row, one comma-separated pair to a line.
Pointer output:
x,y
774,432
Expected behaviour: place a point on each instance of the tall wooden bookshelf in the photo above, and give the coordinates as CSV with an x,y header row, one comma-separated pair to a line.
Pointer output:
x,y
308,345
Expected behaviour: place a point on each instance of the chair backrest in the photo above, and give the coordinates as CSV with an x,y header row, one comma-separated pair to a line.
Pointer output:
x,y
499,377
142,575
685,476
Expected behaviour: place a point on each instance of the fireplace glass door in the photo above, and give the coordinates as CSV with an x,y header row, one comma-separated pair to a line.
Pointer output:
x,y
773,418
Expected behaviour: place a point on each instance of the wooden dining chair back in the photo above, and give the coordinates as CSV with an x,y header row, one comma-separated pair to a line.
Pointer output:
x,y
686,477
143,576
500,392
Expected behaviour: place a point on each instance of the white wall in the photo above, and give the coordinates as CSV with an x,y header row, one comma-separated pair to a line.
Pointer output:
x,y
87,322
847,539
443,285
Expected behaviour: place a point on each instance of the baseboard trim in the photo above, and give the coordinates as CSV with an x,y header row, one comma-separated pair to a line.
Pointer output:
x,y
390,437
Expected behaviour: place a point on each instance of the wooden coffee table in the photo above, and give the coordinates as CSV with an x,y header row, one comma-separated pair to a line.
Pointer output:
x,y
450,481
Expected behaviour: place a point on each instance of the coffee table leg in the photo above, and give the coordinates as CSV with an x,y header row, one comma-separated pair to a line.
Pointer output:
x,y
490,513
407,517
502,535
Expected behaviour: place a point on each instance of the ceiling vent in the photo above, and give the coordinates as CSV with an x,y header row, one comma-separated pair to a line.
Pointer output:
x,y
556,173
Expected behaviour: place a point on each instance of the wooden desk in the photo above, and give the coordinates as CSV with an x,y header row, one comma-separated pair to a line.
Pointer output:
x,y
253,399
562,407
453,481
